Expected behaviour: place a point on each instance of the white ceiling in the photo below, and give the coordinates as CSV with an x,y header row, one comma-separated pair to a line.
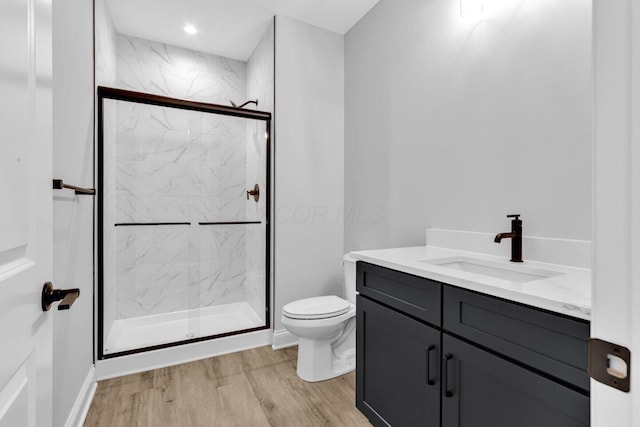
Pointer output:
x,y
229,28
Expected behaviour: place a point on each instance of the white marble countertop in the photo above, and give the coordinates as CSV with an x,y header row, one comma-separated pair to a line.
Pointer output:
x,y
568,292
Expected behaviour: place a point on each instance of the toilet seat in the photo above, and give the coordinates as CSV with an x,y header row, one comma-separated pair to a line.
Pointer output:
x,y
316,308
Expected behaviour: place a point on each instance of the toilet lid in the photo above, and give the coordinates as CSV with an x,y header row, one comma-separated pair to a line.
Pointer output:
x,y
316,308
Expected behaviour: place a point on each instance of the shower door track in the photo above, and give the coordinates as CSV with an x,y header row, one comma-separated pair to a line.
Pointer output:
x,y
164,101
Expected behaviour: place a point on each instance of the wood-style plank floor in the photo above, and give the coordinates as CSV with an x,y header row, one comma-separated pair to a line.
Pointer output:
x,y
257,387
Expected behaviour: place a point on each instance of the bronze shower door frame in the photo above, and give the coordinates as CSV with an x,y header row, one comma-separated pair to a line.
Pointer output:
x,y
163,101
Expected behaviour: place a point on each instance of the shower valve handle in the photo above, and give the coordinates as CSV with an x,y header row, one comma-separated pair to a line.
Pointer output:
x,y
255,193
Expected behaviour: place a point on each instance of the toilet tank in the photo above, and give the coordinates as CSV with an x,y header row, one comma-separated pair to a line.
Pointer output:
x,y
349,264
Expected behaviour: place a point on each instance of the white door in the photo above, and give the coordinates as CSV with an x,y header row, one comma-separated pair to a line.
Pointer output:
x,y
25,212
616,263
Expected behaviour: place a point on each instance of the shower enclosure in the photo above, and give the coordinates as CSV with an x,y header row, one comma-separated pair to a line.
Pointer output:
x,y
183,221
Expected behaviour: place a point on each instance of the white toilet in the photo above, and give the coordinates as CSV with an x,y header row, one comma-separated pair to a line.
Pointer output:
x,y
326,329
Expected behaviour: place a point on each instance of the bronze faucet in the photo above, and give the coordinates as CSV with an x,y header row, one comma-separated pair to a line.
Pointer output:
x,y
516,237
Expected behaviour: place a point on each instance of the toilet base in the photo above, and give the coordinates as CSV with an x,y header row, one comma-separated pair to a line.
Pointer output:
x,y
317,362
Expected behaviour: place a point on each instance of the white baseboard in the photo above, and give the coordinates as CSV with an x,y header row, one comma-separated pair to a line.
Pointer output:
x,y
576,253
141,362
283,339
83,401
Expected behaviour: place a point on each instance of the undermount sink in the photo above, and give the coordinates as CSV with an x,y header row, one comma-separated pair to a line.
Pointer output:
x,y
513,273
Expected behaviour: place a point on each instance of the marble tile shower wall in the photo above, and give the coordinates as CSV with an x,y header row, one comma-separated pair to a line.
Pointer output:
x,y
255,240
179,166
157,68
260,85
109,214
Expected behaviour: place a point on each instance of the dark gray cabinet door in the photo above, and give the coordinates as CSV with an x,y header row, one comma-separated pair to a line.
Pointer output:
x,y
480,389
398,369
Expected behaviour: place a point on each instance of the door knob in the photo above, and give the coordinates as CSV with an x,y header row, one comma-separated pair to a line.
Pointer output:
x,y
66,297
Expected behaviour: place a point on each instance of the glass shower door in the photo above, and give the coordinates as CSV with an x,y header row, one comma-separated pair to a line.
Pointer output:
x,y
231,223
183,221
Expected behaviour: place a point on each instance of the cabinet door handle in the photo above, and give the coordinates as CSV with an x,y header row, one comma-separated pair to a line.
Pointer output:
x,y
447,391
430,349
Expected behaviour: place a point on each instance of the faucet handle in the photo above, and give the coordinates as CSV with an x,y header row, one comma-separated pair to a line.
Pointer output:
x,y
516,216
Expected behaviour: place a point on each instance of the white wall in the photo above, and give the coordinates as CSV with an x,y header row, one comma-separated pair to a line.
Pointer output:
x,y
72,215
309,153
455,122
105,46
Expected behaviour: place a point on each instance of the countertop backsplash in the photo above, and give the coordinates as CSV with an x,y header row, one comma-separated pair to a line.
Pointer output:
x,y
574,253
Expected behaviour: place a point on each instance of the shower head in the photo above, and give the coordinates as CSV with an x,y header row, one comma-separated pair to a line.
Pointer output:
x,y
248,102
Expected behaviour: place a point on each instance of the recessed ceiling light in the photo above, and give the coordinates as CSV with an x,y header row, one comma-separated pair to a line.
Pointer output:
x,y
190,29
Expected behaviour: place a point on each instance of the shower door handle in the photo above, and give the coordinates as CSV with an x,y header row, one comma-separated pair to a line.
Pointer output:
x,y
255,193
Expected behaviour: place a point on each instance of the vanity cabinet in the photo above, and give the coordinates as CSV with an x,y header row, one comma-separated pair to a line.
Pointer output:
x,y
431,354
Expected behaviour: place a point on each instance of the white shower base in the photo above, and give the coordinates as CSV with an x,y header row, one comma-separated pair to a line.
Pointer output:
x,y
147,331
